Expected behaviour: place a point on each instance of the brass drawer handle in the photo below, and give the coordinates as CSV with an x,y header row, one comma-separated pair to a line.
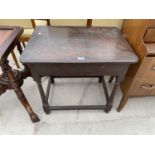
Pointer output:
x,y
148,86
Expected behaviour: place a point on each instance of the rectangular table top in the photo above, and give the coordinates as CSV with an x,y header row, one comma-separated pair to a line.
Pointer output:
x,y
9,35
50,44
4,34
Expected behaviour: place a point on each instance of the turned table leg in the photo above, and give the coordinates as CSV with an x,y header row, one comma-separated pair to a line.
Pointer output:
x,y
52,80
25,103
43,97
15,85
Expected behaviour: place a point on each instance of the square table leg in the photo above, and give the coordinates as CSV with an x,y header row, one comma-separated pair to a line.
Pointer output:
x,y
109,103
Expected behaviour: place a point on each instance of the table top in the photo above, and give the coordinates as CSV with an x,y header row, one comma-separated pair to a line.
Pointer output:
x,y
8,38
4,34
50,44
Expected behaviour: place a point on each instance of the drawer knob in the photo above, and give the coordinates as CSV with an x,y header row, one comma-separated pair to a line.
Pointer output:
x,y
148,86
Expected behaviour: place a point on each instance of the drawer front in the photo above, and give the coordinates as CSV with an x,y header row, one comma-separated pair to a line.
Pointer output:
x,y
79,69
152,23
147,69
150,35
143,87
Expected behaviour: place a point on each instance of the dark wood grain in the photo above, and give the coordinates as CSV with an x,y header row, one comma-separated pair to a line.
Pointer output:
x,y
77,44
78,52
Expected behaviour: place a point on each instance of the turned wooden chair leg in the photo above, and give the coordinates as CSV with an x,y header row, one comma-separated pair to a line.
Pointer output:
x,y
111,78
15,59
122,103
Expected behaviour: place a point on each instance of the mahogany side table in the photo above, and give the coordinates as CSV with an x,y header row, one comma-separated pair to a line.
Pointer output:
x,y
11,78
77,52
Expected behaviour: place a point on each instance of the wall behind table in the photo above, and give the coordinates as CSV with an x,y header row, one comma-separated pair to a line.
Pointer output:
x,y
108,22
26,23
82,22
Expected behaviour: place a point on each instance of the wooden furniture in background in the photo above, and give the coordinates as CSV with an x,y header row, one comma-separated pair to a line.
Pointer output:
x,y
140,78
34,22
89,22
3,36
26,37
11,78
47,22
78,52
15,59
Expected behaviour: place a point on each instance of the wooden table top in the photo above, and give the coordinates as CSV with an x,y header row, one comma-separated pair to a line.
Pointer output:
x,y
77,45
4,34
9,35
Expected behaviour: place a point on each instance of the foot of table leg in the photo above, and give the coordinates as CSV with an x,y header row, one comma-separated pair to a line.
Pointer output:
x,y
34,118
46,109
25,103
108,108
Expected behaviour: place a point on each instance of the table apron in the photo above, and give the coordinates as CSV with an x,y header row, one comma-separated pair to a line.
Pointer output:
x,y
79,70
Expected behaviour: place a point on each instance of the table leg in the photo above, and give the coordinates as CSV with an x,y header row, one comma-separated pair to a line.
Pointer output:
x,y
111,79
111,98
48,87
100,79
3,88
18,91
25,103
52,80
43,97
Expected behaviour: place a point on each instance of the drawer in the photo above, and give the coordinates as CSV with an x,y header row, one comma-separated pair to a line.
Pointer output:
x,y
150,35
81,69
143,87
152,23
150,48
147,68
